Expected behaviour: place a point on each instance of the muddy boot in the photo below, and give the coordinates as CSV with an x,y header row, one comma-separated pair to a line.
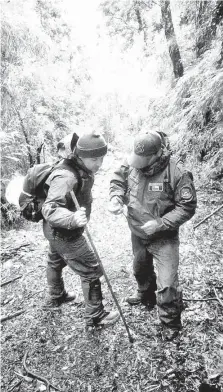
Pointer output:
x,y
107,319
68,296
149,300
52,303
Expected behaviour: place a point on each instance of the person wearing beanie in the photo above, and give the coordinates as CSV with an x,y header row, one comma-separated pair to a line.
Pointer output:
x,y
63,226
160,196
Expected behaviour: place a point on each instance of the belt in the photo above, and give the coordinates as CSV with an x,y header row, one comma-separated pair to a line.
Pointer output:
x,y
66,237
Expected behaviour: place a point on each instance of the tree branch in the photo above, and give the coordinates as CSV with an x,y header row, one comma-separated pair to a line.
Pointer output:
x,y
10,281
25,134
219,300
38,377
208,216
200,299
10,316
15,386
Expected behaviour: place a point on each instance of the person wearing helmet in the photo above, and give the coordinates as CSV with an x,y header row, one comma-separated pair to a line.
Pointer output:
x,y
160,196
63,226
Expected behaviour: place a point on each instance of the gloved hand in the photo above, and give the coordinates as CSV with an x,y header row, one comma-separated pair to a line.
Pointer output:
x,y
115,206
151,227
80,217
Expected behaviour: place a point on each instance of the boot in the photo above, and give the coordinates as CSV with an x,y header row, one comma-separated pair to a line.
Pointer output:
x,y
148,300
95,314
107,319
56,302
169,333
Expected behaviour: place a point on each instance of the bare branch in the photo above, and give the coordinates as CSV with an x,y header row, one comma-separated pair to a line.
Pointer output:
x,y
25,134
15,386
10,316
219,300
200,299
37,376
10,281
208,216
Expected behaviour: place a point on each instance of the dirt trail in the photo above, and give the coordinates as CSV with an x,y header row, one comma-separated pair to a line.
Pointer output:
x,y
57,344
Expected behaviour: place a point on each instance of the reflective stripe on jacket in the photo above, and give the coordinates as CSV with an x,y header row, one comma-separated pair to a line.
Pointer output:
x,y
168,196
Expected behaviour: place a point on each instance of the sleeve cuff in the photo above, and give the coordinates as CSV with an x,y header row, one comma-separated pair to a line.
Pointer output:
x,y
161,224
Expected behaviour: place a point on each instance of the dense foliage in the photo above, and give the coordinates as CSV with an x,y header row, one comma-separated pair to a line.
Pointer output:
x,y
160,67
121,67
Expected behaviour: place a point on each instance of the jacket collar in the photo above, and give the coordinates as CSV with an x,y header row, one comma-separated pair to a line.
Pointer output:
x,y
157,166
79,164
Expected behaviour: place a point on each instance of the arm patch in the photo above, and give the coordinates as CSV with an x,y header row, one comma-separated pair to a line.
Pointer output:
x,y
186,193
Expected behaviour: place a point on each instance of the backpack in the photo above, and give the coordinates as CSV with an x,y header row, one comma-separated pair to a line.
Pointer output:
x,y
164,139
34,190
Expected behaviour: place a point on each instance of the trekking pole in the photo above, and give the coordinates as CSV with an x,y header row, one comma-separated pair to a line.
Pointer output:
x,y
103,270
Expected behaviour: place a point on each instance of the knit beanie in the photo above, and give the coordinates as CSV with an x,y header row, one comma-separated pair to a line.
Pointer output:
x,y
91,145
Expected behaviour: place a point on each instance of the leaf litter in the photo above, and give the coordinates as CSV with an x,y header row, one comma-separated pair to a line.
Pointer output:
x,y
60,350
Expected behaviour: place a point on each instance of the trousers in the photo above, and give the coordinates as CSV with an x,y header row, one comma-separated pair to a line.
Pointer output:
x,y
76,254
165,253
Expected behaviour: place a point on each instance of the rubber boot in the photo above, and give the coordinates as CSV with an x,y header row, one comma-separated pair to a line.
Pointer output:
x,y
95,313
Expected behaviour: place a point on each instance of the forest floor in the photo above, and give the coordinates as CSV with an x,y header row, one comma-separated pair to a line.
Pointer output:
x,y
54,344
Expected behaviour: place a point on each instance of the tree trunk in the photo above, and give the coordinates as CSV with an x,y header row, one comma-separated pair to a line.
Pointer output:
x,y
207,24
217,17
220,61
25,133
38,152
171,39
141,22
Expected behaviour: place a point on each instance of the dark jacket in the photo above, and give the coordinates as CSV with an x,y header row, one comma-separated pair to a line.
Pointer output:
x,y
165,192
58,208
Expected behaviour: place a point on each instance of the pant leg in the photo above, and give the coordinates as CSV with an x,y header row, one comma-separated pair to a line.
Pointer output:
x,y
77,254
143,268
93,300
55,266
169,296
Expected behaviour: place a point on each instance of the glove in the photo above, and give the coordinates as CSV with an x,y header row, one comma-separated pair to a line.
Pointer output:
x,y
151,227
115,206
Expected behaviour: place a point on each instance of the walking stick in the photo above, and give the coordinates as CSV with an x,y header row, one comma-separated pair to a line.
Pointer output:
x,y
103,270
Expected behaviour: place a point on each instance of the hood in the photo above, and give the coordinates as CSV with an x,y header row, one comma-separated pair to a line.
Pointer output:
x,y
157,166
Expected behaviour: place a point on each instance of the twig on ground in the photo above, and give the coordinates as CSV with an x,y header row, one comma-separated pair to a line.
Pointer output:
x,y
10,316
21,246
200,299
8,251
10,280
208,216
9,299
15,386
217,297
37,376
22,375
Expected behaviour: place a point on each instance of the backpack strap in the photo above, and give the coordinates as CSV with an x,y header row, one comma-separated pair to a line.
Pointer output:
x,y
72,166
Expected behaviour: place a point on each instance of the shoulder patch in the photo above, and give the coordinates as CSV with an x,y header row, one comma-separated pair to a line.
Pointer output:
x,y
186,193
